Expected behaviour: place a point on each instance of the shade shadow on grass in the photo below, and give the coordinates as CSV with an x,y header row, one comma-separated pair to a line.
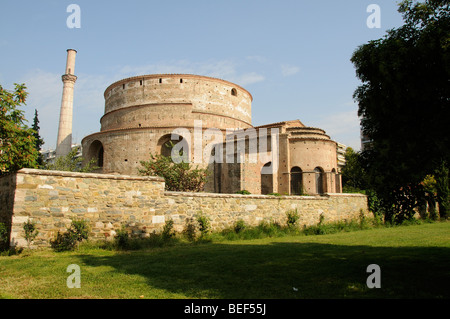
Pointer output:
x,y
287,270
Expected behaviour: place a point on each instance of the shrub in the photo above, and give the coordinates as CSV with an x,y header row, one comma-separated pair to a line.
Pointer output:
x,y
81,229
64,241
77,232
168,231
292,218
363,223
178,176
3,237
190,229
30,232
122,238
204,225
243,192
269,228
239,226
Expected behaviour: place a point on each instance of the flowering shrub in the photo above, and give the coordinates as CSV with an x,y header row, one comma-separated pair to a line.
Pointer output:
x,y
178,176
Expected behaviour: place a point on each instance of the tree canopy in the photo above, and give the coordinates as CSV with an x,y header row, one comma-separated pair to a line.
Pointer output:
x,y
353,174
404,102
17,142
72,163
38,140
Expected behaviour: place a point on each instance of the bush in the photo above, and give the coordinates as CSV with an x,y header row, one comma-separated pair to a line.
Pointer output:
x,y
168,231
122,238
63,242
292,218
204,225
363,222
239,226
3,237
270,229
5,249
243,192
178,176
77,232
81,229
190,230
30,231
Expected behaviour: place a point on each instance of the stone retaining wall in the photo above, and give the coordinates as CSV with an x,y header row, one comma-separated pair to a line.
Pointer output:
x,y
52,199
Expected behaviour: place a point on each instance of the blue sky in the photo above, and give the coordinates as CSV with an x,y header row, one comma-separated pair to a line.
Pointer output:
x,y
292,56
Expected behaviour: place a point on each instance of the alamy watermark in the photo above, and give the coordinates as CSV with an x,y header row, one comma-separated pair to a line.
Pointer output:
x,y
374,19
211,146
74,280
374,280
74,19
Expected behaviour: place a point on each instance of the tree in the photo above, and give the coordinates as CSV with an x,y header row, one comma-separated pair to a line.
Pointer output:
x,y
353,174
31,231
429,199
403,103
17,143
72,163
178,175
38,140
442,190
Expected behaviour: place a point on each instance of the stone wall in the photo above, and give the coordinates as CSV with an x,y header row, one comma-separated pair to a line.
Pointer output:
x,y
53,199
7,186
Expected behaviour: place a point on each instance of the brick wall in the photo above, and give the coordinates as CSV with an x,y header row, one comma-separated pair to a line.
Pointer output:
x,y
53,199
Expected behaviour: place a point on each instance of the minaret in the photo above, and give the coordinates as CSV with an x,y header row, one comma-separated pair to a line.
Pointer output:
x,y
64,142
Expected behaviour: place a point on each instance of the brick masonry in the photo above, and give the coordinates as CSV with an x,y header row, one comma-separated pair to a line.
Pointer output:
x,y
52,199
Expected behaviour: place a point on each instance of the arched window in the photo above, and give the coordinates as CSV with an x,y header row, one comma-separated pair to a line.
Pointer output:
x,y
167,142
267,179
166,148
233,92
296,181
96,152
319,180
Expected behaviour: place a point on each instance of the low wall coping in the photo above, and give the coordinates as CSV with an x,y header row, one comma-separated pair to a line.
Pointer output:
x,y
32,171
257,196
254,196
346,194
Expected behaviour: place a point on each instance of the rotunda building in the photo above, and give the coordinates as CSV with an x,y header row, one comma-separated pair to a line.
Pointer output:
x,y
143,113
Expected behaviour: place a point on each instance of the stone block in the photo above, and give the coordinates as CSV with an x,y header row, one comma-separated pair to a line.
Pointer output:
x,y
45,186
20,219
99,225
158,219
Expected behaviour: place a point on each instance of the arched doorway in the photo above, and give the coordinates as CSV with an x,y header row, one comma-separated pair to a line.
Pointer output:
x,y
96,151
320,183
296,181
267,179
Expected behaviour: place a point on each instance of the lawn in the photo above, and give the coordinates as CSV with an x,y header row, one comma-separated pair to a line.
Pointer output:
x,y
413,260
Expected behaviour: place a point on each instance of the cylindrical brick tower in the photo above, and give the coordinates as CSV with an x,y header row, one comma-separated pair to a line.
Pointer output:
x,y
64,142
142,112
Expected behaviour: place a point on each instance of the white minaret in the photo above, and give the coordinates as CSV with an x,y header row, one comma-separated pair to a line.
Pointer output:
x,y
64,142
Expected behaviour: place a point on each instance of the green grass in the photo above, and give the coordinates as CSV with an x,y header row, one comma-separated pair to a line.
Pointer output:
x,y
413,260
